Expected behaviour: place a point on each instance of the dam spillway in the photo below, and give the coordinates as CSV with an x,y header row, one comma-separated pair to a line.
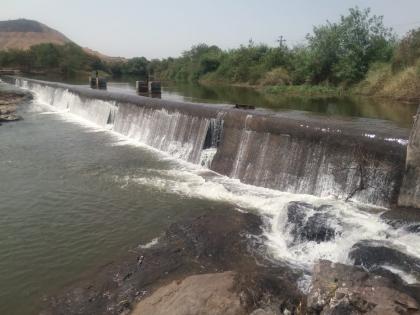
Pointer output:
x,y
307,155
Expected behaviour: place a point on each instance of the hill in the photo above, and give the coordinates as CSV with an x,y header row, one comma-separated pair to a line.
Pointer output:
x,y
22,34
104,57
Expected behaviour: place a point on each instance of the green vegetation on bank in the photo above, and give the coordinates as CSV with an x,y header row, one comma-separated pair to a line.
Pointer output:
x,y
399,78
67,59
334,54
356,55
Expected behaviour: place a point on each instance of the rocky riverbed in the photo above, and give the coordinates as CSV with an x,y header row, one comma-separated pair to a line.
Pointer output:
x,y
9,101
215,264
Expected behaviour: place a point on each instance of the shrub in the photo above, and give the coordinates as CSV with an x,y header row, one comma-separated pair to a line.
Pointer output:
x,y
277,76
407,52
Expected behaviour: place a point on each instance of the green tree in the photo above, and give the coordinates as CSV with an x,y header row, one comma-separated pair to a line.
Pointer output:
x,y
408,51
343,52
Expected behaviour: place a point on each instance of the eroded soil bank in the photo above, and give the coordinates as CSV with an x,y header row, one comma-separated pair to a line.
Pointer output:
x,y
215,264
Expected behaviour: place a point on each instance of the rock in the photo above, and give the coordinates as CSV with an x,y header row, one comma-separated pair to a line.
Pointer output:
x,y
9,117
200,294
218,244
270,289
8,105
403,218
310,223
373,255
266,311
342,289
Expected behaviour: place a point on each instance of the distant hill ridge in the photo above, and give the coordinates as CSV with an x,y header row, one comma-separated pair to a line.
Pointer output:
x,y
23,33
21,25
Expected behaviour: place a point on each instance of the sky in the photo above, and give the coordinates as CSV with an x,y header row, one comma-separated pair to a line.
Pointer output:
x,y
163,28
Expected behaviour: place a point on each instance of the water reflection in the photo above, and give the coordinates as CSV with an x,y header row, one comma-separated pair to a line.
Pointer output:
x,y
397,111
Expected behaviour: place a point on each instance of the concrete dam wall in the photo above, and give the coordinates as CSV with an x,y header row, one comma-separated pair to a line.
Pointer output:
x,y
284,151
410,190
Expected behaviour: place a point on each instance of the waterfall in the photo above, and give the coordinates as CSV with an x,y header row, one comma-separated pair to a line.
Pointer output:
x,y
99,112
180,135
191,138
283,155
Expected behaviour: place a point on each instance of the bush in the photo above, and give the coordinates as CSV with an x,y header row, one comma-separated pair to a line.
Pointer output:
x,y
277,76
342,52
407,52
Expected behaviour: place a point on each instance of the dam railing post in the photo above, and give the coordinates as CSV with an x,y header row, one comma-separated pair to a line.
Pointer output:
x,y
92,82
101,83
142,87
97,83
155,87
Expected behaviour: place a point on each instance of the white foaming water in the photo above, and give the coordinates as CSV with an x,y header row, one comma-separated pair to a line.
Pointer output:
x,y
410,279
150,244
207,156
95,111
349,222
178,134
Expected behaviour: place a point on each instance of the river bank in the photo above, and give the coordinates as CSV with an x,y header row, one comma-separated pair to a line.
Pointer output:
x,y
215,264
403,90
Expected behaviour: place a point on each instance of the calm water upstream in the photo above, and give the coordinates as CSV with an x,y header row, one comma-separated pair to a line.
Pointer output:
x,y
73,196
346,106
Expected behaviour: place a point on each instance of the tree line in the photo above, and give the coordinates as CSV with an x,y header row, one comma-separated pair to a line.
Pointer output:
x,y
338,53
335,54
66,59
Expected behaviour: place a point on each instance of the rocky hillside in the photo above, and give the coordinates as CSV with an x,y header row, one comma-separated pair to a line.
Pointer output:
x,y
22,34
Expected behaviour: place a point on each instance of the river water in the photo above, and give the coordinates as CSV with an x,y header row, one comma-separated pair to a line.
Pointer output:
x,y
74,195
344,107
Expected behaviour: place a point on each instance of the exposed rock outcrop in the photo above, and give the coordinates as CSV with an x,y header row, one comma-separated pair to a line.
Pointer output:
x,y
309,223
210,294
8,105
221,246
342,289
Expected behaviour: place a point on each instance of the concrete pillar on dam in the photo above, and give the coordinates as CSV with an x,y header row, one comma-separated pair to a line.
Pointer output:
x,y
97,83
142,87
410,190
155,87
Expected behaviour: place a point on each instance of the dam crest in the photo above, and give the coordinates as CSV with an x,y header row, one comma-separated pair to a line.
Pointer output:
x,y
283,151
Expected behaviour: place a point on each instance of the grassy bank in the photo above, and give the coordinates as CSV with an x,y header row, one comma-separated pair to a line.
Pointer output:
x,y
305,90
382,81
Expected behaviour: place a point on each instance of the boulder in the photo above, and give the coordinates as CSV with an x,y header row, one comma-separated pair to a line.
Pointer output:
x,y
309,223
199,294
342,289
373,255
9,117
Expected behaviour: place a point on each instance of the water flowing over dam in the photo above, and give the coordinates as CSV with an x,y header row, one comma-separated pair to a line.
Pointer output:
x,y
286,152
